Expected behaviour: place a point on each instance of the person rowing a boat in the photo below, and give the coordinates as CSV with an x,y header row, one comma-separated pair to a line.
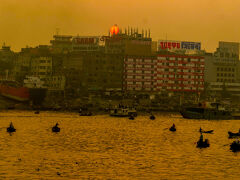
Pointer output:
x,y
11,125
201,138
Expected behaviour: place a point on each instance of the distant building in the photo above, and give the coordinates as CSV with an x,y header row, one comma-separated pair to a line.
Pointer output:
x,y
129,42
228,51
7,58
61,43
222,72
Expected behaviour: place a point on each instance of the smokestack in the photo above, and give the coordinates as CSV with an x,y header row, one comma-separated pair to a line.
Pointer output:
x,y
128,30
142,33
149,33
145,33
131,31
125,31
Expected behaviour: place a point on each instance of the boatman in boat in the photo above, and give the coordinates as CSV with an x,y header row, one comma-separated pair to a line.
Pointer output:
x,y
11,126
201,138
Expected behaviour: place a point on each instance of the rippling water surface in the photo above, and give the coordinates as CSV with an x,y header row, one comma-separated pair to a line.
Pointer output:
x,y
103,147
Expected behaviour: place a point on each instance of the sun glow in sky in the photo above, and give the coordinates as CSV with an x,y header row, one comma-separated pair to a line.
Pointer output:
x,y
25,22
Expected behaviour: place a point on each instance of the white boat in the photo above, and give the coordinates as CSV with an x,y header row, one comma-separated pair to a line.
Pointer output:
x,y
123,112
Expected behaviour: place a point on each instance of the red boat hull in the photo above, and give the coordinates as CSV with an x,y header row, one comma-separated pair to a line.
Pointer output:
x,y
16,93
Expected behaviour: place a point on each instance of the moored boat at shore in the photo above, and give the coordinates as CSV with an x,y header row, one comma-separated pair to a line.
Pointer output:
x,y
13,90
211,111
122,111
30,91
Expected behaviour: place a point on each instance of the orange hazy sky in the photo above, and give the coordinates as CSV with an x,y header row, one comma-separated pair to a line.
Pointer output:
x,y
33,22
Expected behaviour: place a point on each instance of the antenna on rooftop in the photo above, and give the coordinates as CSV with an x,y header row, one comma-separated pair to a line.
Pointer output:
x,y
57,31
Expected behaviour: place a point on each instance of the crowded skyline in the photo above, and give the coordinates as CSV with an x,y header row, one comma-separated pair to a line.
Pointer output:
x,y
34,22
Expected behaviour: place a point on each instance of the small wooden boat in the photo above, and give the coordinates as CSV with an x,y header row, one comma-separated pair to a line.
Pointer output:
x,y
131,118
203,144
231,134
85,114
36,112
55,128
11,128
235,146
152,117
173,128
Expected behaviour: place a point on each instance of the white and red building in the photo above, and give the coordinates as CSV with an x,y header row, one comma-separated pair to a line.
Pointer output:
x,y
180,73
140,73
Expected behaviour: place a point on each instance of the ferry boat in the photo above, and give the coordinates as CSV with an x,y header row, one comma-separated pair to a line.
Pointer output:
x,y
122,111
207,110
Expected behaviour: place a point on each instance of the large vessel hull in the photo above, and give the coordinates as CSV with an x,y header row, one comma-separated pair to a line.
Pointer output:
x,y
35,95
16,93
209,114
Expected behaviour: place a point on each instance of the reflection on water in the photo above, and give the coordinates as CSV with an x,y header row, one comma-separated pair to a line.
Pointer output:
x,y
103,147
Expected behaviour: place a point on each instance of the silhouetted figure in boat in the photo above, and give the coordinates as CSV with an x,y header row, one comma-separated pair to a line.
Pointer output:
x,y
200,130
201,143
55,128
36,112
152,117
11,128
173,128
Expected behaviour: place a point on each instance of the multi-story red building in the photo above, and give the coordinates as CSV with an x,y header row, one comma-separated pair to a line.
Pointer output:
x,y
180,73
140,73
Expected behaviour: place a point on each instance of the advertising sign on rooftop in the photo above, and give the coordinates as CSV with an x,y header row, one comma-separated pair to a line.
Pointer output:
x,y
85,43
174,45
85,40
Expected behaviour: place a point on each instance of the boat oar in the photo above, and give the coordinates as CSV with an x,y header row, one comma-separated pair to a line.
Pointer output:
x,y
227,144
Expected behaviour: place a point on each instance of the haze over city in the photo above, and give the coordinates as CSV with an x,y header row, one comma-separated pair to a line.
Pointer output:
x,y
34,22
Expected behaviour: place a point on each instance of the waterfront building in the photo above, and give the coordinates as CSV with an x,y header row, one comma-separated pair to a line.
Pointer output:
x,y
180,73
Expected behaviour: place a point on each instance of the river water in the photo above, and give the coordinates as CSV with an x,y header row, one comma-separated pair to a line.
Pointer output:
x,y
103,147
